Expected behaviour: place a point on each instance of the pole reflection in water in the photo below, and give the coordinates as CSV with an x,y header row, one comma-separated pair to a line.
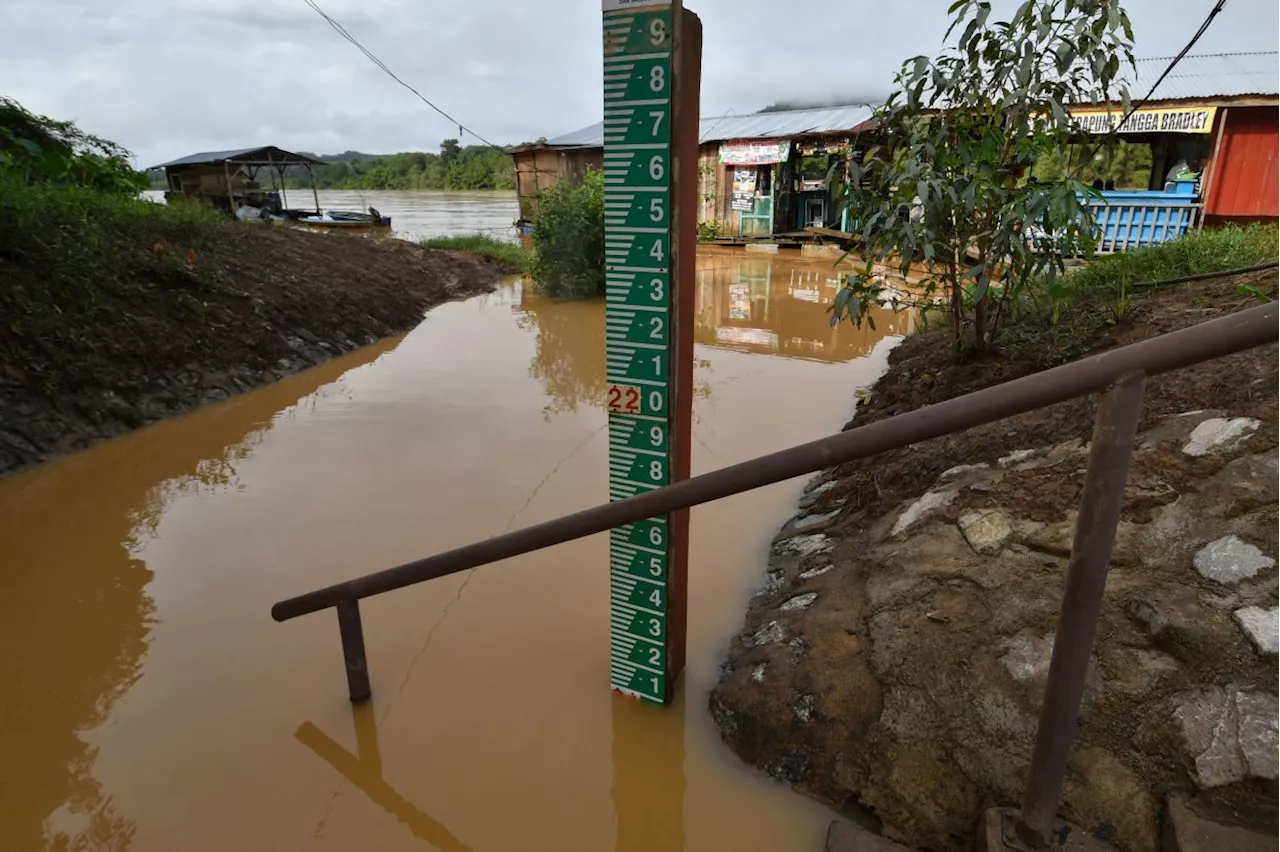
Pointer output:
x,y
648,774
364,770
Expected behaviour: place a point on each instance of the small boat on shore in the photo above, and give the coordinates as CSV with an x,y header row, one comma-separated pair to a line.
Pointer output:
x,y
347,220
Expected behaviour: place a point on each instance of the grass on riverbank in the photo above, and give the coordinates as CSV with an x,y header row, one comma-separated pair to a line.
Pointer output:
x,y
1049,328
510,254
80,238
1196,253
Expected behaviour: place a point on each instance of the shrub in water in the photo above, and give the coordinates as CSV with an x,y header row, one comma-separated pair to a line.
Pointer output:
x,y
568,240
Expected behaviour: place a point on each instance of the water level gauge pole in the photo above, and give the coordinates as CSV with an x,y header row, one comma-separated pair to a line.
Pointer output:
x,y
652,64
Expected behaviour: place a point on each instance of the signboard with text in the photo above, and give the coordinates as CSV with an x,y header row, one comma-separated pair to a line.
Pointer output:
x,y
1154,120
754,153
744,188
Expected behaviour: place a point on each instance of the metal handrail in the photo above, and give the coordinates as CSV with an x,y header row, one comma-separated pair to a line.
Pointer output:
x,y
1175,350
1118,375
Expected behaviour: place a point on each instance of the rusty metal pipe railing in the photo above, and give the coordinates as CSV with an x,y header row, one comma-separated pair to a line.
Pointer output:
x,y
1119,377
1115,427
1223,336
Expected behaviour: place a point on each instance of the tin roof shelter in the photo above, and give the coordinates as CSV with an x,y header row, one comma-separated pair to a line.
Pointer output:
x,y
229,179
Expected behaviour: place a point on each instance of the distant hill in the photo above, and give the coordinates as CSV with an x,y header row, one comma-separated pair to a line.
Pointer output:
x,y
454,167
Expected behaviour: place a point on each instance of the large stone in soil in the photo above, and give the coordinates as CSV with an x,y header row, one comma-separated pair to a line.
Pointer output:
x,y
986,530
1187,831
1217,434
1262,626
843,837
1229,735
1229,560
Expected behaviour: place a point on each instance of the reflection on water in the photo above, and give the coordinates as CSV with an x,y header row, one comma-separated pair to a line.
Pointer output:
x,y
364,770
759,304
648,775
155,706
75,604
568,349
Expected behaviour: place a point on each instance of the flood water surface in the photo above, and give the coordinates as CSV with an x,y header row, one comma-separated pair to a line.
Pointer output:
x,y
152,704
417,214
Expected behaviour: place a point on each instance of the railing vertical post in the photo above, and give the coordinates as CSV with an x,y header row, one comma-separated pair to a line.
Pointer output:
x,y
1114,428
353,650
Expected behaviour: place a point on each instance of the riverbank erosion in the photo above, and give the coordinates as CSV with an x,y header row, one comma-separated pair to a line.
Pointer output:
x,y
895,657
164,318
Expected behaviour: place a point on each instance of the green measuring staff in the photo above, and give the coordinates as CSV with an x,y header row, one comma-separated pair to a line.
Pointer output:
x,y
638,342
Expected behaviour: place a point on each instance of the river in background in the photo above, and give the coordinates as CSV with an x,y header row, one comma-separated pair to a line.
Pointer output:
x,y
152,704
417,214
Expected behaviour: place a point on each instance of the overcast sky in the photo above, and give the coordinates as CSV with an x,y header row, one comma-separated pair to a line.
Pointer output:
x,y
171,78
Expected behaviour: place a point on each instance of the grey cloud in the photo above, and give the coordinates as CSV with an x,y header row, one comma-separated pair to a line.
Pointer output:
x,y
169,78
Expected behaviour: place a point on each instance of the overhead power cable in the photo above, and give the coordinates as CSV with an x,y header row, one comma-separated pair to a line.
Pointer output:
x,y
1134,106
1213,13
342,31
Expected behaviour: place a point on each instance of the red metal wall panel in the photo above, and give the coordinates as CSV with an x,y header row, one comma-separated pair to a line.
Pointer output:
x,y
1246,181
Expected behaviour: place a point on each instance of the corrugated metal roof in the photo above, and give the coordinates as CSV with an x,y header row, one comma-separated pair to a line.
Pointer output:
x,y
207,157
786,124
1209,75
591,136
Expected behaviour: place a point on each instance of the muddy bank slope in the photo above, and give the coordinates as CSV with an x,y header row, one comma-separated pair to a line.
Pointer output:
x,y
177,327
895,655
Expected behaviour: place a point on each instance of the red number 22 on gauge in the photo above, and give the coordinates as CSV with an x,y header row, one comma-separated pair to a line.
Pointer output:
x,y
624,399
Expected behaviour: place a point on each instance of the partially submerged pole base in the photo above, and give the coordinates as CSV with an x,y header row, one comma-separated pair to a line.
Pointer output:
x,y
998,833
353,650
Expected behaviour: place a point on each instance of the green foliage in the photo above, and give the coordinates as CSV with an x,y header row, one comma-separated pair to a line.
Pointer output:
x,y
950,190
814,168
37,149
709,230
1126,163
568,239
79,238
508,254
1054,322
472,167
69,210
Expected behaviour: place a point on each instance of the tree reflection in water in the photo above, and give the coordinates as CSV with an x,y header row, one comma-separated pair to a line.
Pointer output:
x,y
568,354
76,602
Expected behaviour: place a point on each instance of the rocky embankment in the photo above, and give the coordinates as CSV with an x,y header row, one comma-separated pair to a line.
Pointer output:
x,y
259,305
894,659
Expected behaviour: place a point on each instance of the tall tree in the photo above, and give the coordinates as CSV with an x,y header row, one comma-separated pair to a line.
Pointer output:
x,y
449,151
950,189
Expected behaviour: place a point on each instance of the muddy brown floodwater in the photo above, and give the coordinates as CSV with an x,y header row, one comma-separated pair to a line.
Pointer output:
x,y
151,703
